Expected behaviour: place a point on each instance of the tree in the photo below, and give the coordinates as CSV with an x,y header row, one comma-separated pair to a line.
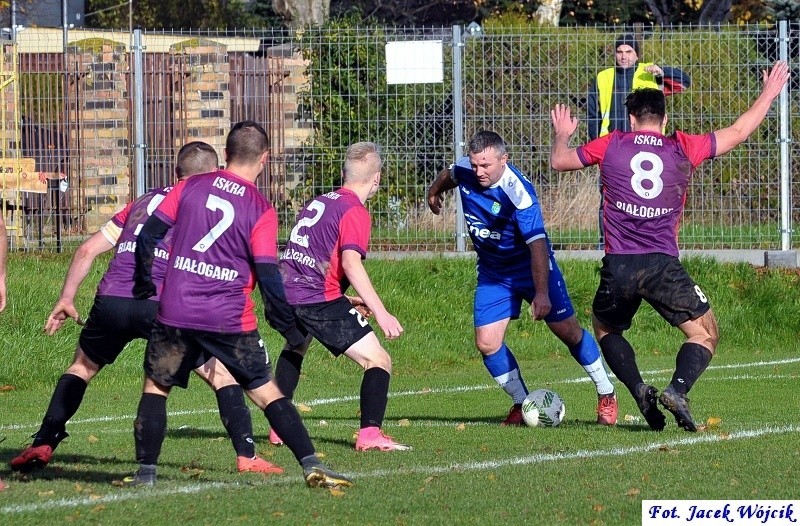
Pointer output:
x,y
299,13
170,14
549,12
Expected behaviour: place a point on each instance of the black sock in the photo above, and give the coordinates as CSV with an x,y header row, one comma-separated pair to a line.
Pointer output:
x,y
150,428
374,396
286,421
235,416
66,399
621,359
690,363
287,372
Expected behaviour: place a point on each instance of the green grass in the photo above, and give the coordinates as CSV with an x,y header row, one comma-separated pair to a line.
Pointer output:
x,y
464,468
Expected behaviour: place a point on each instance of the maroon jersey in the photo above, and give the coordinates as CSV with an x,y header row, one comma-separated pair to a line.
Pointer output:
x,y
645,176
221,227
118,279
312,263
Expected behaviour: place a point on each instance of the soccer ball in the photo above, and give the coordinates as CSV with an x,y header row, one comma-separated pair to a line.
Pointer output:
x,y
543,407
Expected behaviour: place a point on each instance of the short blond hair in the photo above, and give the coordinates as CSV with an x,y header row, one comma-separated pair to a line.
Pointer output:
x,y
362,161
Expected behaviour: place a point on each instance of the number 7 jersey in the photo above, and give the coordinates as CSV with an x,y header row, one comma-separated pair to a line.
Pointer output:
x,y
645,176
221,226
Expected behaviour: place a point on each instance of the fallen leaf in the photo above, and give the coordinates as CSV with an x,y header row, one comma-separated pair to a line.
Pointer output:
x,y
99,507
47,493
92,439
278,514
404,422
631,418
598,507
94,496
429,480
461,426
323,423
426,390
321,454
633,492
7,387
713,421
303,408
491,476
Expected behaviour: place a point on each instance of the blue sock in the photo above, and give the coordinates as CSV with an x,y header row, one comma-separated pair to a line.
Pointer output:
x,y
587,354
504,369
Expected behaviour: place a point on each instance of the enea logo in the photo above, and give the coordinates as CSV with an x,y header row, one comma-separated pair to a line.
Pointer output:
x,y
478,230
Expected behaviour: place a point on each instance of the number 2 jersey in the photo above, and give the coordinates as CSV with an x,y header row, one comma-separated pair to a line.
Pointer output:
x,y
502,220
312,262
221,227
645,176
121,231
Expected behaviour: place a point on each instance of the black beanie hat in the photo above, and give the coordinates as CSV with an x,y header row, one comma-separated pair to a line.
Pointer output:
x,y
627,40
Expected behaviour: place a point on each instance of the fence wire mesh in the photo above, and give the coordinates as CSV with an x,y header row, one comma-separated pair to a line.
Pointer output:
x,y
318,90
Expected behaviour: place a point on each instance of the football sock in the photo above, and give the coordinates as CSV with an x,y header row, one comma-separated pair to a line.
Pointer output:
x,y
374,396
66,399
691,361
150,428
587,354
504,369
235,416
621,359
287,372
285,420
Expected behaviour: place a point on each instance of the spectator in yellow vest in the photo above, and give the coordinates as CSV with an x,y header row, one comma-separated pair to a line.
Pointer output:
x,y
609,89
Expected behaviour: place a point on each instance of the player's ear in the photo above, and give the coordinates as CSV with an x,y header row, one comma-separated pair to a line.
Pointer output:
x,y
664,123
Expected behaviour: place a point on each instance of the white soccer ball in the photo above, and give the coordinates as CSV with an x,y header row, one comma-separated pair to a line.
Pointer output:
x,y
543,407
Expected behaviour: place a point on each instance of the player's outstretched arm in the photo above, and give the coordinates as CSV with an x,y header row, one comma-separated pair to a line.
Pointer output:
x,y
442,183
562,157
732,136
359,280
78,270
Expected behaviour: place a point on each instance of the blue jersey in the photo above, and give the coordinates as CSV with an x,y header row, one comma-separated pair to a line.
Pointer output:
x,y
502,219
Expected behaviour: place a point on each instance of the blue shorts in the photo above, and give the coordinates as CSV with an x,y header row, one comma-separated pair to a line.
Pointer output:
x,y
499,298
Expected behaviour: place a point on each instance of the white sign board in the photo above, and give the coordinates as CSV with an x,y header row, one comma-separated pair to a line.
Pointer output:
x,y
414,62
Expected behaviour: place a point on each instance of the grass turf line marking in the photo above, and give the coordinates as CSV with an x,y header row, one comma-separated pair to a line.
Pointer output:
x,y
438,390
415,470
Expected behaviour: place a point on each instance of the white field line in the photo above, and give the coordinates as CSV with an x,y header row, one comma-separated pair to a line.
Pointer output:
x,y
443,390
426,470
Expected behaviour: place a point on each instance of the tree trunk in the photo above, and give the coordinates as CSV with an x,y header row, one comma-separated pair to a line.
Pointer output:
x,y
715,11
548,13
299,13
661,10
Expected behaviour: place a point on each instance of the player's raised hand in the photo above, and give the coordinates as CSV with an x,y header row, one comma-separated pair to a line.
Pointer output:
x,y
562,120
390,326
775,79
62,311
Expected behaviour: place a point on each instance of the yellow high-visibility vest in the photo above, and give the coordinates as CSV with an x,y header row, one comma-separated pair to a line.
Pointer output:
x,y
605,89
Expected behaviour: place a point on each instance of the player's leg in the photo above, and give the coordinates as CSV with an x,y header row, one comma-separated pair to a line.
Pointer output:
x,y
587,354
495,304
562,322
683,304
287,374
64,403
235,416
377,366
168,361
613,307
111,325
252,371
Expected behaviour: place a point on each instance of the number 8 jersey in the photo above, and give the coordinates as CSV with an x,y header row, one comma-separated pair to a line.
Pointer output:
x,y
645,176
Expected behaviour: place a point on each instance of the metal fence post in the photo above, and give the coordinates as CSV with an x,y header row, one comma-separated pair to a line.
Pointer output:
x,y
137,92
458,125
784,139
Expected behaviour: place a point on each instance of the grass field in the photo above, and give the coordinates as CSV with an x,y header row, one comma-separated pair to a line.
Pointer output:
x,y
464,468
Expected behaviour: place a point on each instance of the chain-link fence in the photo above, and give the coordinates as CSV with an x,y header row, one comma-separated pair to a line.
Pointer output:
x,y
102,119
